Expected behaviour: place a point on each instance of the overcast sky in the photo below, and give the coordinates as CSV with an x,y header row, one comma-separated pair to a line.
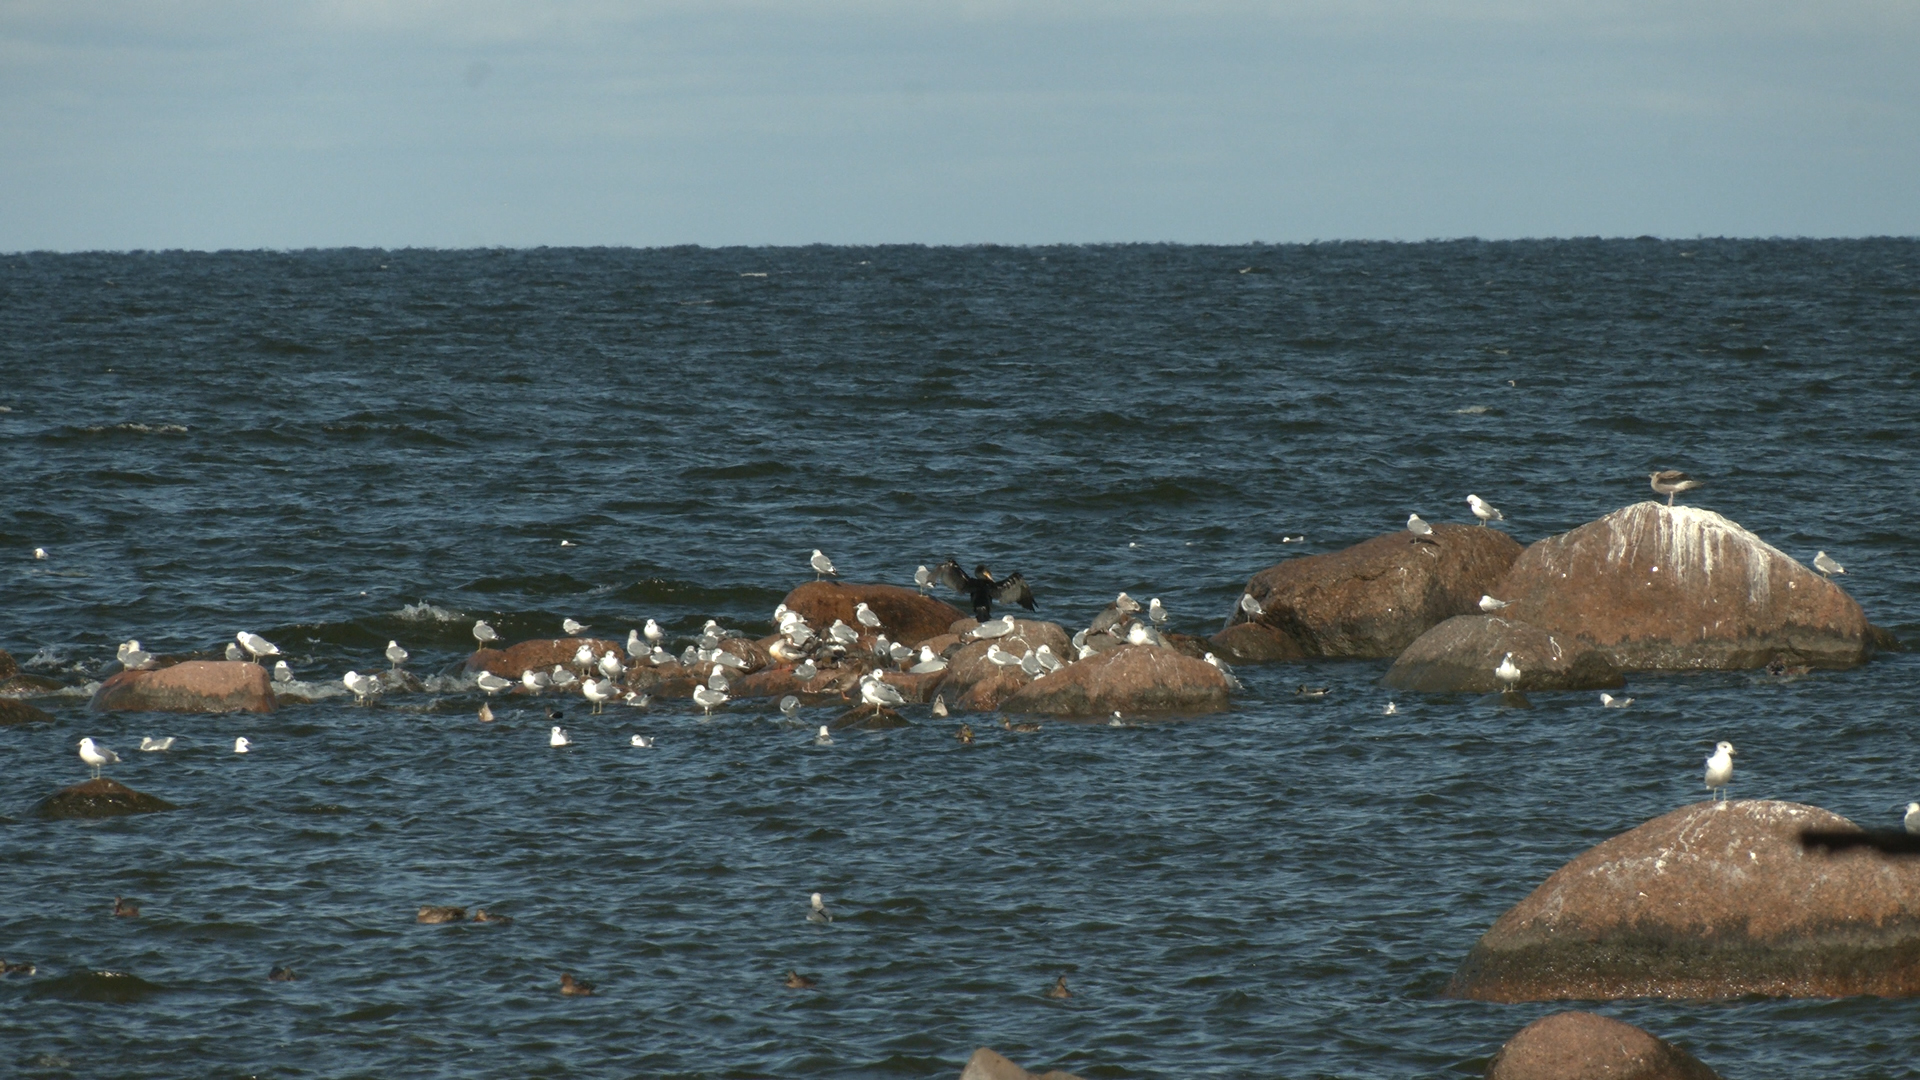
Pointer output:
x,y
277,124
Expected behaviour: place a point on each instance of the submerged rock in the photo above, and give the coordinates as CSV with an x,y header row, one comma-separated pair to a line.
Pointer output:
x,y
1370,600
1658,587
985,1064
907,616
869,718
538,654
1713,900
101,798
1584,1046
1459,655
196,686
13,712
1130,679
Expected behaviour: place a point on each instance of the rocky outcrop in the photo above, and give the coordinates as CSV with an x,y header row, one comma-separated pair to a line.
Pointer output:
x,y
537,654
1370,600
906,615
976,684
1657,587
101,798
1027,634
196,686
1584,1046
1709,901
869,718
1459,655
988,1065
1131,679
19,712
779,680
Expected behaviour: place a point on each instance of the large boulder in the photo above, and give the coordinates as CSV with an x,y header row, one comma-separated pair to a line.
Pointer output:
x,y
1713,900
1585,1046
99,798
1370,600
1659,587
19,712
538,654
196,686
779,680
906,615
985,1064
1027,634
1459,656
1131,679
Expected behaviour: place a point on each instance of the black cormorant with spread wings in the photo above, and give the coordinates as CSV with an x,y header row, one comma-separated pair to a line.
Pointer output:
x,y
982,588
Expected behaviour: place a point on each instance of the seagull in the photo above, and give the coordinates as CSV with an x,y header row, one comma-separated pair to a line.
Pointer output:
x,y
1420,529
486,713
484,634
789,706
1233,683
1507,672
561,678
492,683
133,657
610,665
821,565
1049,662
1483,510
641,741
1142,634
1312,693
1912,820
242,746
654,634
95,757
599,692
805,670
1488,603
1671,482
1113,614
993,628
39,553
717,679
940,705
923,578
1030,663
1608,701
1157,612
396,655
1720,769
361,685
635,648
234,653
725,659
583,656
659,656
153,745
637,701
571,627
818,912
1252,607
842,633
825,738
1390,710
877,692
1824,563
1001,656
866,616
256,645
534,681
281,672
558,737
708,698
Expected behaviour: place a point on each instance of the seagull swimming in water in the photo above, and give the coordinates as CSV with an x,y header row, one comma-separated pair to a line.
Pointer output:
x,y
485,713
818,912
641,741
1483,510
1671,482
821,565
242,746
572,627
153,746
558,737
281,672
484,634
1720,769
1507,672
1608,701
96,757
1824,563
824,738
790,706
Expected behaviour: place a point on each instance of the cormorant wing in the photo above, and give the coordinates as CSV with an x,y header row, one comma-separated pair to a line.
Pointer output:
x,y
949,574
1014,589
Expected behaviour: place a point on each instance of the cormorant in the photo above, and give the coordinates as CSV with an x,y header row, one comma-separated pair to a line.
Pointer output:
x,y
983,589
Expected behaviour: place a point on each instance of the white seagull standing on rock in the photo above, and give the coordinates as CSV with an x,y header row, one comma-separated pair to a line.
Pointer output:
x,y
396,655
1484,510
923,578
821,565
484,634
361,685
1824,563
256,645
492,683
1252,607
635,647
1419,528
993,628
866,616
1720,769
1508,672
877,692
94,757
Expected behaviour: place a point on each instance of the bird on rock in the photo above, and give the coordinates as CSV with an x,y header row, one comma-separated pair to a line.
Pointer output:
x,y
1720,769
1671,482
983,589
1484,510
822,565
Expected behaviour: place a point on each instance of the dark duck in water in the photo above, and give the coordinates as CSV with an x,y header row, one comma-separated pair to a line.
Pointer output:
x,y
983,588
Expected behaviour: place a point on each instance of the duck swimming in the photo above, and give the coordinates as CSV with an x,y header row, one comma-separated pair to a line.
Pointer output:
x,y
281,974
983,589
1059,989
124,909
573,987
797,981
432,914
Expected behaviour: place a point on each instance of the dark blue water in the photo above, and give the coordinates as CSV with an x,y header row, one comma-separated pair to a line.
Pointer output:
x,y
335,448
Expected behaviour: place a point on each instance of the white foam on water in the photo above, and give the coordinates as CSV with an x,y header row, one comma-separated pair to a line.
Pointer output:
x,y
425,612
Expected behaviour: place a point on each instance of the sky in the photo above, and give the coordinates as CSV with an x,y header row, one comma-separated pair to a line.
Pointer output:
x,y
209,124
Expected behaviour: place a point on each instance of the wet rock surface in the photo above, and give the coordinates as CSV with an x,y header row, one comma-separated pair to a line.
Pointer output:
x,y
538,654
101,798
907,616
1658,587
196,686
14,711
1370,600
1132,679
1460,655
1585,1046
1709,901
986,1064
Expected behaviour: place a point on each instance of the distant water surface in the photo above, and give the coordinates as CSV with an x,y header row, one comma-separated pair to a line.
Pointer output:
x,y
335,448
